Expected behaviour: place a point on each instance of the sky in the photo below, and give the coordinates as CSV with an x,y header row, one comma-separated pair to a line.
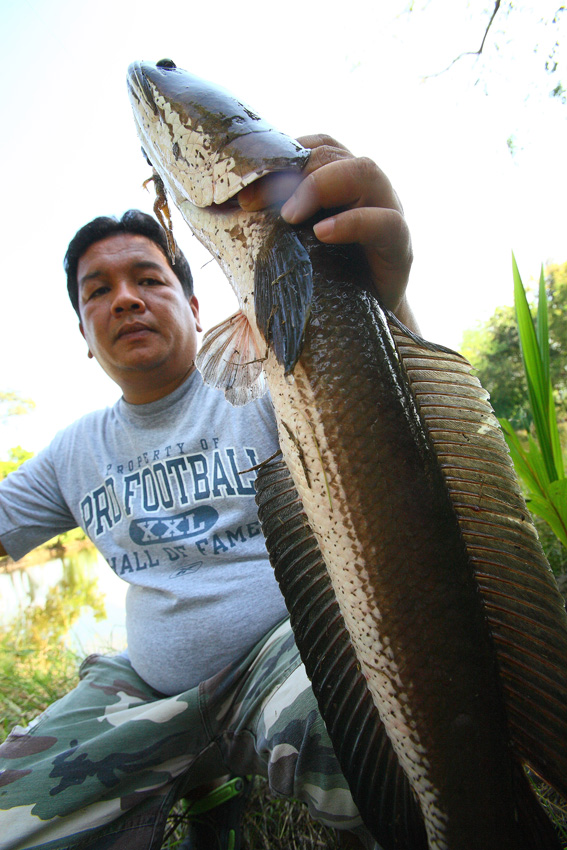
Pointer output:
x,y
476,152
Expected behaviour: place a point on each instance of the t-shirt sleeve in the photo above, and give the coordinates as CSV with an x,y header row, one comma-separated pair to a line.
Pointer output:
x,y
32,507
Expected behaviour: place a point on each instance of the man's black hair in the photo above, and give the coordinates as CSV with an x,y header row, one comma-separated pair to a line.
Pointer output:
x,y
133,221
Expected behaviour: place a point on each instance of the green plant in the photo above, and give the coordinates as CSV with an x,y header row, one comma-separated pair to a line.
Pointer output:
x,y
268,823
37,666
540,463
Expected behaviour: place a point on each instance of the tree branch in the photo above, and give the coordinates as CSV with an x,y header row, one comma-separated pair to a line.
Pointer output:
x,y
494,13
472,52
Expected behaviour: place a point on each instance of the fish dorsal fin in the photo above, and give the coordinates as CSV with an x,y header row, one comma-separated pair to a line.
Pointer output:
x,y
525,610
283,289
230,361
378,784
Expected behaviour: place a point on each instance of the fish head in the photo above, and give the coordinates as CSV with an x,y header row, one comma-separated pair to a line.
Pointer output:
x,y
205,144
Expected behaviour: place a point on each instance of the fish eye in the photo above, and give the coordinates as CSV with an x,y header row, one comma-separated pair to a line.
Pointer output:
x,y
166,63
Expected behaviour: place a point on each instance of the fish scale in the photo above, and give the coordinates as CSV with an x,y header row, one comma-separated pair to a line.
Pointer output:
x,y
362,527
436,620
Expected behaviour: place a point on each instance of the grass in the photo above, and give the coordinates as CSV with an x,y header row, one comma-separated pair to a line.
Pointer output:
x,y
31,679
26,689
268,823
36,668
274,824
553,804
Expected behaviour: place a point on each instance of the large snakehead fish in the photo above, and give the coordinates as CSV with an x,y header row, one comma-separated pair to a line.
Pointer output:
x,y
422,604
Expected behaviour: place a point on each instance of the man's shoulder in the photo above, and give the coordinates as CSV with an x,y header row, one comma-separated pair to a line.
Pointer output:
x,y
94,420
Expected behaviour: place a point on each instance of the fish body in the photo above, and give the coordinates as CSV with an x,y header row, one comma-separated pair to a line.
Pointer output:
x,y
448,617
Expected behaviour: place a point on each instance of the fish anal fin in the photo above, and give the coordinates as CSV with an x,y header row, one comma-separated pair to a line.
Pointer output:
x,y
377,782
523,606
230,361
283,289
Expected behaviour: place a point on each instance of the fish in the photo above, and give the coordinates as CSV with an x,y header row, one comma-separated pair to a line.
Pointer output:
x,y
422,604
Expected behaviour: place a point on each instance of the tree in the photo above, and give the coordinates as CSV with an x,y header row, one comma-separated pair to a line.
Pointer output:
x,y
494,350
13,404
16,457
496,26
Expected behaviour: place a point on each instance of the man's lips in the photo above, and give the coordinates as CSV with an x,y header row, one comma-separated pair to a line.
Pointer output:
x,y
132,328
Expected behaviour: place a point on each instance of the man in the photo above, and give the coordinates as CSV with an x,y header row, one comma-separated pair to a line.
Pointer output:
x,y
212,682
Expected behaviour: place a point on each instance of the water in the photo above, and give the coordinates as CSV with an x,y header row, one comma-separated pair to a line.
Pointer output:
x,y
75,584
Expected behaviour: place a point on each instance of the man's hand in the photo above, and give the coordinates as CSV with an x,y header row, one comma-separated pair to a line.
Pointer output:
x,y
371,212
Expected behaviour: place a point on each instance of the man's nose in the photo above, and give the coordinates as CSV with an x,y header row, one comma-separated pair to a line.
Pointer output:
x,y
127,297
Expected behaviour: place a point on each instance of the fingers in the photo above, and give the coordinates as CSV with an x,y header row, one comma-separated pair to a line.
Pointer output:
x,y
277,188
346,181
385,237
269,190
384,229
324,150
369,211
317,140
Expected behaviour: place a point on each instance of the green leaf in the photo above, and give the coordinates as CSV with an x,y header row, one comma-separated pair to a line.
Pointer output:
x,y
553,509
554,434
528,462
542,328
539,388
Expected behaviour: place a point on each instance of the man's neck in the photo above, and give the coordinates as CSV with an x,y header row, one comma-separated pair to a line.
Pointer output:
x,y
153,392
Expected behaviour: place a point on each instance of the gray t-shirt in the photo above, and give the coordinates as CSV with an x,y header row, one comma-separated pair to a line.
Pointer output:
x,y
159,489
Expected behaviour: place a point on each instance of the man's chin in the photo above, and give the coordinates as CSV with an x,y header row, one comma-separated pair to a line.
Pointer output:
x,y
139,362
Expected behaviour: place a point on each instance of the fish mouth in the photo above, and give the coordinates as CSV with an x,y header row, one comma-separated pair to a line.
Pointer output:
x,y
205,152
275,192
227,206
139,87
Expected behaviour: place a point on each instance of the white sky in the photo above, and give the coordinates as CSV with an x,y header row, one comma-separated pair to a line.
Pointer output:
x,y
69,152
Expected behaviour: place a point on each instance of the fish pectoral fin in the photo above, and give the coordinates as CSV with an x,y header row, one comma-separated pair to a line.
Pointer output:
x,y
229,360
283,289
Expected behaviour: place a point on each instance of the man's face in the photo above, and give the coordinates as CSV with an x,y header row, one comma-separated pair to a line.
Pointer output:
x,y
135,317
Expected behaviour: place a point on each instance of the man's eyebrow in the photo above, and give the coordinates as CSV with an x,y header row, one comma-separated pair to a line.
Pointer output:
x,y
140,264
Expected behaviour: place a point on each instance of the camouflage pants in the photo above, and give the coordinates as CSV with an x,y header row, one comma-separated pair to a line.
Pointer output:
x,y
102,767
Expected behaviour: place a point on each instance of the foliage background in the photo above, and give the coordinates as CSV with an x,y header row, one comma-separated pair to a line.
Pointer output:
x,y
493,347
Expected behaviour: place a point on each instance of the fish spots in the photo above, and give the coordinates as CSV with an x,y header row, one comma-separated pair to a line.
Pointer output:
x,y
299,450
236,232
250,114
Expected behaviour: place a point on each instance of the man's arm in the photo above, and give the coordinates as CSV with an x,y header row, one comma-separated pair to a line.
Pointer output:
x,y
32,506
371,213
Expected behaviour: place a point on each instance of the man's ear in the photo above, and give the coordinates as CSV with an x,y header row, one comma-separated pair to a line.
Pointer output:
x,y
195,308
89,354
